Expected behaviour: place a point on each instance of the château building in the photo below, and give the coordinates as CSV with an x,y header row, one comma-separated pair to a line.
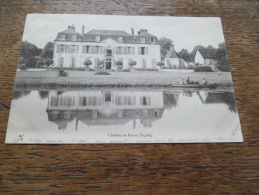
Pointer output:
x,y
71,48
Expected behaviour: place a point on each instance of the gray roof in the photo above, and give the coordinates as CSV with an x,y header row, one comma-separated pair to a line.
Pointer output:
x,y
108,32
172,54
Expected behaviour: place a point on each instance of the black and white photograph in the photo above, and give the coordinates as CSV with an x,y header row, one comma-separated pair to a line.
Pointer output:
x,y
123,79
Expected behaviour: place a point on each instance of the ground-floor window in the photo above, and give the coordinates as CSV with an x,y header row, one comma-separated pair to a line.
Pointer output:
x,y
61,62
72,62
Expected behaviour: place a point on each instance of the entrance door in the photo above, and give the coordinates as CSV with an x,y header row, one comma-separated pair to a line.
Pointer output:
x,y
108,63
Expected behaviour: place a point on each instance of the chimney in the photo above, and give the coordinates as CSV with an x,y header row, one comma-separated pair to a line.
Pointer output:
x,y
83,30
71,27
132,31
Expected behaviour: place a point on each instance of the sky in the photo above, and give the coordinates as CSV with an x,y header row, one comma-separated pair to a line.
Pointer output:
x,y
185,32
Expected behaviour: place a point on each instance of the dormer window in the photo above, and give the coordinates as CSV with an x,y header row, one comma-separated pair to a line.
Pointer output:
x,y
97,38
73,37
142,40
152,39
120,39
63,36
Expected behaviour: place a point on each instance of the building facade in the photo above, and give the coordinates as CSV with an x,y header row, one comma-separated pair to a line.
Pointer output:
x,y
71,48
105,107
208,57
173,60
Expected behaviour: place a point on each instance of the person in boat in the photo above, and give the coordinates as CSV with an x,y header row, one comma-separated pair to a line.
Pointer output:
x,y
181,82
189,82
204,82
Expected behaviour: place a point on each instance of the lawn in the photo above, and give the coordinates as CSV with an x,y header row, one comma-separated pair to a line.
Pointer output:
x,y
129,78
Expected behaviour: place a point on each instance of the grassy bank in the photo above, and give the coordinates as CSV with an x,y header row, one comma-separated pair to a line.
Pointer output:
x,y
123,79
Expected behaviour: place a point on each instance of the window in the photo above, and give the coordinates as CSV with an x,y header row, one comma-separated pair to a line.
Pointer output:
x,y
72,62
83,101
60,62
152,39
108,97
74,37
62,36
156,114
92,49
143,50
86,48
119,50
142,40
97,49
97,38
62,49
125,50
68,49
130,50
145,101
74,48
120,39
108,52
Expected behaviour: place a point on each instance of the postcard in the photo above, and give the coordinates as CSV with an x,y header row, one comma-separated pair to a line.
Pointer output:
x,y
122,79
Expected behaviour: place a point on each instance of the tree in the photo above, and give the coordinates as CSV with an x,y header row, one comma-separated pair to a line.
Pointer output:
x,y
48,51
161,64
165,46
29,50
31,62
222,45
43,94
210,47
119,64
87,63
185,55
100,64
132,63
48,62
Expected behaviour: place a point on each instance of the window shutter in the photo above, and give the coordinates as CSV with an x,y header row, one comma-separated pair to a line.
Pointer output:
x,y
139,50
146,51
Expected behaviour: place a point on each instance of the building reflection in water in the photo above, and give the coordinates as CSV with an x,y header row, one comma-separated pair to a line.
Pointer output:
x,y
105,107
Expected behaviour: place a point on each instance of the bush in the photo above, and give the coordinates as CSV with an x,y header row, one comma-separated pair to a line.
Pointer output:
x,y
22,67
190,67
182,66
223,68
125,70
102,73
132,63
31,62
203,69
87,62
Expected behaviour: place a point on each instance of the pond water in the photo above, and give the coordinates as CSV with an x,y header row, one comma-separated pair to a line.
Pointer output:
x,y
123,116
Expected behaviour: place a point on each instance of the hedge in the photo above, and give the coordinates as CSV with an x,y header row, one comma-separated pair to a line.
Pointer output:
x,y
203,69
